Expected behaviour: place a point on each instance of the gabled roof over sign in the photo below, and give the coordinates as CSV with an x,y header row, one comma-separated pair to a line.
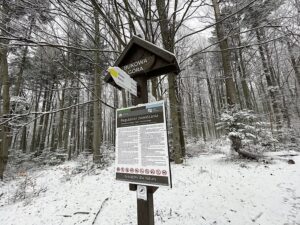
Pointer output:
x,y
142,58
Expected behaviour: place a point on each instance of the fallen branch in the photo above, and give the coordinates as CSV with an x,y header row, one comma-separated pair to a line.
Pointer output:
x,y
102,204
248,155
75,213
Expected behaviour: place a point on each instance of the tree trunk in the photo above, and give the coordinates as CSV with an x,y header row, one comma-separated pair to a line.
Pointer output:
x,y
238,94
23,143
167,31
201,112
37,101
223,44
295,64
97,122
154,87
192,130
54,138
175,120
212,103
242,70
42,143
67,128
272,89
89,129
113,125
5,133
19,81
41,122
61,115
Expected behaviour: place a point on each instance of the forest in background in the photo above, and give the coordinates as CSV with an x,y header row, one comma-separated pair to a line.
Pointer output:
x,y
240,74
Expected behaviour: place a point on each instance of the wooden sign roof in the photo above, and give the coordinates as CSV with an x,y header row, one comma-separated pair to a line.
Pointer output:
x,y
142,58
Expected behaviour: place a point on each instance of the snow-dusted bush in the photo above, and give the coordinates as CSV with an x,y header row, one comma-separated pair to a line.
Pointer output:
x,y
27,190
245,128
19,107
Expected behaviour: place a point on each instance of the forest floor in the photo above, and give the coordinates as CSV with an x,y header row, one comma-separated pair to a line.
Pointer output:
x,y
211,187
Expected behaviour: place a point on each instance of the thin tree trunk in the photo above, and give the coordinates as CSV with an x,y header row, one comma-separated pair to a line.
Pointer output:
x,y
212,103
242,70
51,125
23,143
297,99
295,64
272,92
201,112
46,120
254,98
66,135
89,129
116,105
238,94
77,149
33,142
191,117
19,75
54,139
61,115
72,143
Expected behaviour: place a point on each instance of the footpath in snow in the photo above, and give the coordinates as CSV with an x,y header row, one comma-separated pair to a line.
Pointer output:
x,y
207,189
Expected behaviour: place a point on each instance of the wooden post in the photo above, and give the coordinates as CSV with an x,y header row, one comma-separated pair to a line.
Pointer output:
x,y
142,60
145,208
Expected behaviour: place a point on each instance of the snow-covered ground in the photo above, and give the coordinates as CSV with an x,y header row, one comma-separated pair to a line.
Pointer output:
x,y
207,189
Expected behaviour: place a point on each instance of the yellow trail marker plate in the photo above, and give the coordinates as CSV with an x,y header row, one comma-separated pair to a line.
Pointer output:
x,y
113,72
122,79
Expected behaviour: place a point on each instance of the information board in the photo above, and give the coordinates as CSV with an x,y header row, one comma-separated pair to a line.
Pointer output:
x,y
142,155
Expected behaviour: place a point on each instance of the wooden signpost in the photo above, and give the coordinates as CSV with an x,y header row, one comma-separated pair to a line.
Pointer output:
x,y
142,60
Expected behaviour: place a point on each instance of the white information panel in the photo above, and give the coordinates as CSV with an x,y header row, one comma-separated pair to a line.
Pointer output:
x,y
142,154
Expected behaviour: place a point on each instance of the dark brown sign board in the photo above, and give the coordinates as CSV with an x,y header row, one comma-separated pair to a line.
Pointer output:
x,y
142,58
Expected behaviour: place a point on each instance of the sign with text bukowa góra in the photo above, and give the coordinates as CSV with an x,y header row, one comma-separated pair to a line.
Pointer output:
x,y
142,155
137,66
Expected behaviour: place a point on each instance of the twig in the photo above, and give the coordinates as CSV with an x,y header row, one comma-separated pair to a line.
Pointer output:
x,y
105,200
75,213
257,217
66,215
